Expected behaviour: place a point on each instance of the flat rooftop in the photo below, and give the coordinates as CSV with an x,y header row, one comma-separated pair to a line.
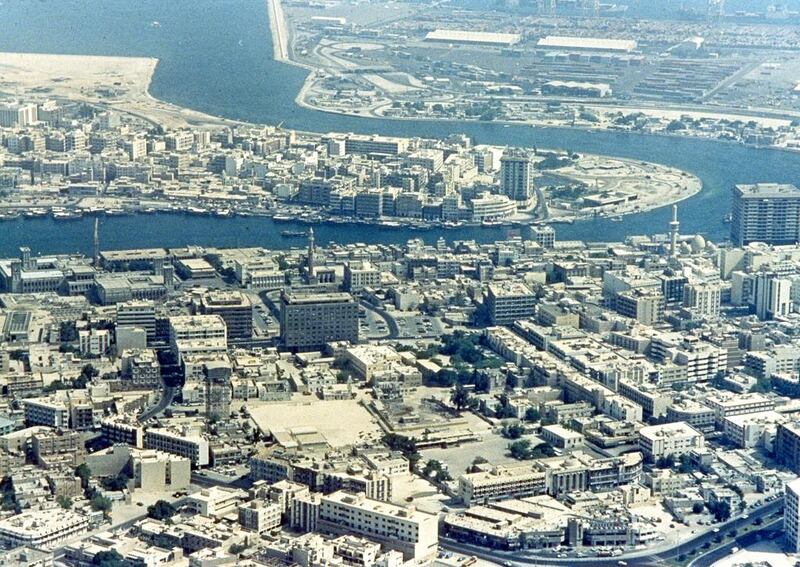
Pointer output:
x,y
588,43
481,38
767,190
304,298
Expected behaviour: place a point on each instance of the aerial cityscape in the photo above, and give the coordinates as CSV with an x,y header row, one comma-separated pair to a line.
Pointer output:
x,y
397,283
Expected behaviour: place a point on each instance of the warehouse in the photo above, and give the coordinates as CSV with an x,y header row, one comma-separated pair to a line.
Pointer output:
x,y
586,43
572,88
474,38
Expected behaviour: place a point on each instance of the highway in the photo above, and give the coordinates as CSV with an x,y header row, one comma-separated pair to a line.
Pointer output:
x,y
770,530
656,556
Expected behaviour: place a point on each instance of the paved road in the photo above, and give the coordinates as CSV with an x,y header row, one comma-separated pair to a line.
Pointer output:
x,y
750,538
540,210
659,555
167,395
394,331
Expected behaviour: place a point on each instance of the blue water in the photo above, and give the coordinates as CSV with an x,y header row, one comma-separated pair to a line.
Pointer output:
x,y
216,57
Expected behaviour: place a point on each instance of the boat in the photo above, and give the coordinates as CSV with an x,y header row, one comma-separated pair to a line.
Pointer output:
x,y
728,219
617,218
66,215
10,215
35,213
115,212
223,213
294,233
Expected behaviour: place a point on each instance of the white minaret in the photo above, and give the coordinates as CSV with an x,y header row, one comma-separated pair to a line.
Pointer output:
x,y
311,251
674,225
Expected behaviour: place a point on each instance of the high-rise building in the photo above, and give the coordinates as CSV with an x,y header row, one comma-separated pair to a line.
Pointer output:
x,y
787,446
234,307
516,175
791,515
17,114
765,212
197,334
137,314
773,296
544,235
311,320
509,302
702,299
217,374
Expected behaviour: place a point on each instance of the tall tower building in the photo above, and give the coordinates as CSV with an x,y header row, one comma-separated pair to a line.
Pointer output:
x,y
516,176
217,376
310,321
791,515
765,212
674,226
773,296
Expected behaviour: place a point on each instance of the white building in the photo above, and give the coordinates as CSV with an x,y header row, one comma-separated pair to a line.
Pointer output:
x,y
413,533
17,114
42,528
94,341
791,515
516,175
669,440
184,443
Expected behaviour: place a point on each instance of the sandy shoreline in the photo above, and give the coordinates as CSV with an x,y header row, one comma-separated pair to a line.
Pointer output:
x,y
119,83
280,35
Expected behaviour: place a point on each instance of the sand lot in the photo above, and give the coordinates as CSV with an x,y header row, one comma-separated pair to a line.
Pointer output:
x,y
342,422
115,82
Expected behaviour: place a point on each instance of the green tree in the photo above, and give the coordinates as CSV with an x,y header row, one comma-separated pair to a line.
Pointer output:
x,y
116,483
520,450
68,332
523,450
64,501
512,431
100,503
161,510
237,548
84,473
504,409
109,559
406,445
532,414
460,398
721,510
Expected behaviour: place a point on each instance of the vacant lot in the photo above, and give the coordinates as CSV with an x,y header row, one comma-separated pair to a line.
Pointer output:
x,y
342,422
